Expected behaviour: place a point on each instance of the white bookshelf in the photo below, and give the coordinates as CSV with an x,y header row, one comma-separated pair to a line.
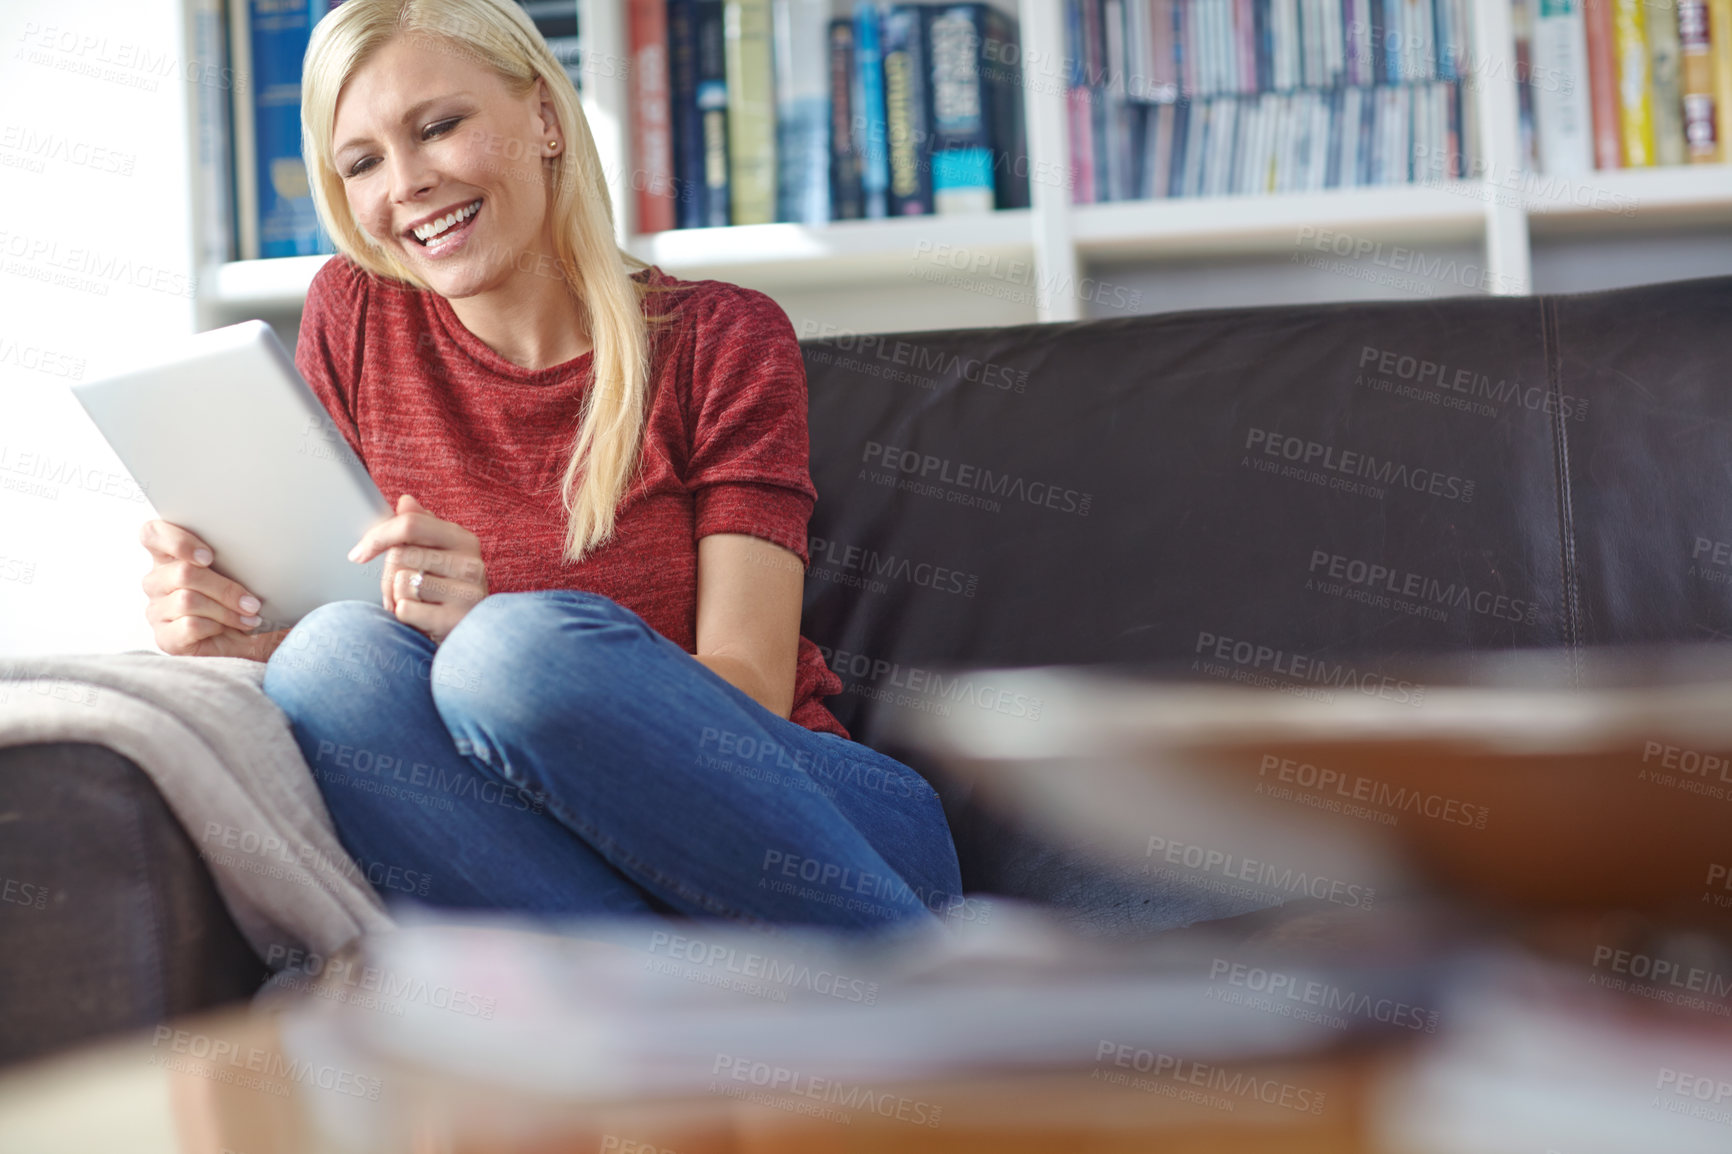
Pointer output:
x,y
1497,217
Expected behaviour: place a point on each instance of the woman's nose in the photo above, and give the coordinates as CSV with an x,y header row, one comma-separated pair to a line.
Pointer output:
x,y
410,175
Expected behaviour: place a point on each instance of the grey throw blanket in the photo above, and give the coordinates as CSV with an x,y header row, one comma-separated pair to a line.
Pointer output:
x,y
221,754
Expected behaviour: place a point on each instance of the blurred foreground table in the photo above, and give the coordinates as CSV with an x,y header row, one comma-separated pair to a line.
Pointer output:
x,y
249,1095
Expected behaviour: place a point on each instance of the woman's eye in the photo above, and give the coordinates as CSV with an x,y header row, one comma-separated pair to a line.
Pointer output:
x,y
442,127
360,166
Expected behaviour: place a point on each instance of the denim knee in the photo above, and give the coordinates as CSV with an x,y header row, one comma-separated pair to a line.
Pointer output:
x,y
335,643
498,663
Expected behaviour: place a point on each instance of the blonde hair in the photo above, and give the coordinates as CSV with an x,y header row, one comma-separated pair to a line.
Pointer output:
x,y
499,35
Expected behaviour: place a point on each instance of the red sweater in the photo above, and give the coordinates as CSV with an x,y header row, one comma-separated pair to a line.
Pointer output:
x,y
482,443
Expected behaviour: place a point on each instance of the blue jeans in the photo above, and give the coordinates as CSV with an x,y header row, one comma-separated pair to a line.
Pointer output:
x,y
556,755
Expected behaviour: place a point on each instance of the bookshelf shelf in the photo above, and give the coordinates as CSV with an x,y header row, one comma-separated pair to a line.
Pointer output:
x,y
277,285
1275,223
1631,199
848,250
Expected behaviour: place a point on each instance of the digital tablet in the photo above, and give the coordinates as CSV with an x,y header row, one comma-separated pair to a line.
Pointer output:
x,y
227,441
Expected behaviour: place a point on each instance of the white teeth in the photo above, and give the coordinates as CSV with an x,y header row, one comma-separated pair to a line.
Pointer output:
x,y
432,229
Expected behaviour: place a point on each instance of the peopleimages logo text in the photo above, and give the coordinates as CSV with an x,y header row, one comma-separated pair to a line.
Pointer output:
x,y
1364,466
965,476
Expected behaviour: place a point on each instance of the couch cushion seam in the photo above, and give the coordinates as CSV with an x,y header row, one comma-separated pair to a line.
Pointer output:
x,y
1571,587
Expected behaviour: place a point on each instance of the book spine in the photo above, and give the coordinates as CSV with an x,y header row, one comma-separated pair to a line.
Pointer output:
x,y
845,193
1164,121
216,237
712,92
869,110
1635,103
1136,51
286,222
1245,44
1003,82
1694,44
1182,117
1094,53
686,121
1164,67
1563,120
1112,95
1522,24
557,24
1603,83
244,151
1076,105
1185,30
652,134
1660,22
802,95
1079,105
906,110
962,163
1720,48
751,111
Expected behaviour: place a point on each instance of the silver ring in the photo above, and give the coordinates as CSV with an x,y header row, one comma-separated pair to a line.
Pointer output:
x,y
415,583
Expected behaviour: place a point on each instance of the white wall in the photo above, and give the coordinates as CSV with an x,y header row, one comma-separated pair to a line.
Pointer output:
x,y
95,266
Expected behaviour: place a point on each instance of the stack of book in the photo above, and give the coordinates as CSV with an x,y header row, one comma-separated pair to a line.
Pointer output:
x,y
1214,97
1625,83
808,111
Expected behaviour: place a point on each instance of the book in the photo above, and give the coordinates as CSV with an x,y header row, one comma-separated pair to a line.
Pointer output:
x,y
1563,118
870,128
1660,22
751,111
962,115
273,199
908,108
1603,84
1635,101
652,176
1112,95
800,31
712,97
1521,20
216,238
1720,48
845,191
556,20
1700,137
686,122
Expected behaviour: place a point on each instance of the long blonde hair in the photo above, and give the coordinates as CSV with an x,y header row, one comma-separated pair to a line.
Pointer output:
x,y
499,35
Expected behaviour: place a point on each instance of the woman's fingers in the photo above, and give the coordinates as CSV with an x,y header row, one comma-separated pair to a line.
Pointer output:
x,y
188,632
205,588
169,542
413,528
183,602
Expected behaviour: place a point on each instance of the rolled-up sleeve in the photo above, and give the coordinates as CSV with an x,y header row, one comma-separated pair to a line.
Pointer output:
x,y
749,470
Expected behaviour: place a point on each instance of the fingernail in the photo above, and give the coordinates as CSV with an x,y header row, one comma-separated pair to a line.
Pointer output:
x,y
355,553
249,622
202,556
250,604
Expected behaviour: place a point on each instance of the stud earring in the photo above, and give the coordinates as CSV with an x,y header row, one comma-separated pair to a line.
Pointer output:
x,y
553,146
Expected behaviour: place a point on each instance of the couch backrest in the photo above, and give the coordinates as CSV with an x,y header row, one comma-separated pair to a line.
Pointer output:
x,y
1301,495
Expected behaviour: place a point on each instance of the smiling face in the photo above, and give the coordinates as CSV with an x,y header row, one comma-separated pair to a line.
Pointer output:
x,y
446,167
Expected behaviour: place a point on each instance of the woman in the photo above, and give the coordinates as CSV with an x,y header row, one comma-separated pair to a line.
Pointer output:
x,y
584,690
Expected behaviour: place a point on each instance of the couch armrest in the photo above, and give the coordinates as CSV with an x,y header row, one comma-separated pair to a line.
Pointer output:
x,y
109,920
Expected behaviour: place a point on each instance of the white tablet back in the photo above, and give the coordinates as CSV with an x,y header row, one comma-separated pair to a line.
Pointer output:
x,y
227,441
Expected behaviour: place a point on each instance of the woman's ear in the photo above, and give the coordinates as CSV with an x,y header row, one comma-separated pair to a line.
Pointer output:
x,y
552,137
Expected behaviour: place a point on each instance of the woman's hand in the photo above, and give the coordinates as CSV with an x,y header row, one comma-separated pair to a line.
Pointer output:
x,y
448,556
194,611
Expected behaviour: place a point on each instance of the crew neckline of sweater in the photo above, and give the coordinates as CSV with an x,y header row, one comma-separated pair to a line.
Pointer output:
x,y
485,357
